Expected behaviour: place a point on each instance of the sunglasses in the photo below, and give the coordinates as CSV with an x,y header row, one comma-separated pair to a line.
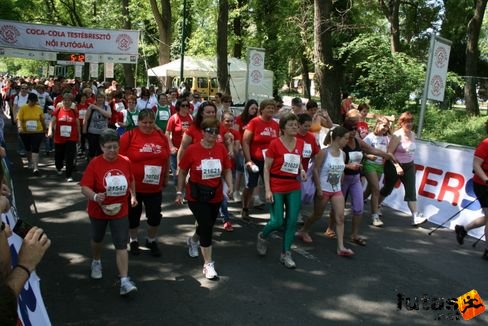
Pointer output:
x,y
184,106
213,131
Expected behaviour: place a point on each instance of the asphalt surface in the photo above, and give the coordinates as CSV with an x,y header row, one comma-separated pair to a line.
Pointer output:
x,y
324,289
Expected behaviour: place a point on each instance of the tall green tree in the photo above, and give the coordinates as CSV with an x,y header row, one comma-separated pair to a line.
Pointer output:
x,y
472,57
222,68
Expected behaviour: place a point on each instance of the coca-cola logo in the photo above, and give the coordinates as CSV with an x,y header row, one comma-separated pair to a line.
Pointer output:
x,y
9,33
124,42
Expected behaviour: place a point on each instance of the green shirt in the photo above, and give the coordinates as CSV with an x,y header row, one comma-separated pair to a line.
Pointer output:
x,y
163,114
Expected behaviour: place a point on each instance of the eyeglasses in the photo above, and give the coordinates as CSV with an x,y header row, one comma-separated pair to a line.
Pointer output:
x,y
111,147
213,131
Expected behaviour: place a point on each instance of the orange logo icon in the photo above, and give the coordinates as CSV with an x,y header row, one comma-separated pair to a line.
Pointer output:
x,y
470,305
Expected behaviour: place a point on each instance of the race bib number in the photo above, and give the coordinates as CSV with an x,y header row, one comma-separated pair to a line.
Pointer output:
x,y
31,125
163,115
152,174
355,157
82,114
65,131
307,150
291,163
381,147
116,185
211,169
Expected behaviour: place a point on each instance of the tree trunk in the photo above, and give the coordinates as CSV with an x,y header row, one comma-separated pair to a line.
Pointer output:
x,y
306,81
472,57
222,68
238,27
325,67
128,68
391,10
163,21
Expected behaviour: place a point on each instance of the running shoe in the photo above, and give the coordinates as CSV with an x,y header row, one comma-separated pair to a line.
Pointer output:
x,y
35,173
134,248
209,271
192,247
153,246
376,221
460,233
96,270
418,219
70,179
228,226
261,244
287,260
59,172
127,287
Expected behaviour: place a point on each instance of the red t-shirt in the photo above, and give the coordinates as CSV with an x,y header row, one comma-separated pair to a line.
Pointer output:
x,y
177,125
482,152
58,99
241,125
310,148
66,125
236,135
111,177
149,155
263,133
82,110
285,170
203,166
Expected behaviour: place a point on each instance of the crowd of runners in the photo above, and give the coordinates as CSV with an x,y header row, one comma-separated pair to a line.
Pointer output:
x,y
136,142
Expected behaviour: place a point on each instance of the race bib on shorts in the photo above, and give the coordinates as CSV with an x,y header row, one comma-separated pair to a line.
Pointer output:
x,y
211,169
291,163
82,114
152,174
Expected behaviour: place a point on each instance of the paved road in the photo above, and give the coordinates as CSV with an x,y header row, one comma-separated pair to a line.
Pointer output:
x,y
324,289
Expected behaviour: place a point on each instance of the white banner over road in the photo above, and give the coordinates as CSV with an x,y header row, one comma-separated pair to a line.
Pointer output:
x,y
68,39
27,54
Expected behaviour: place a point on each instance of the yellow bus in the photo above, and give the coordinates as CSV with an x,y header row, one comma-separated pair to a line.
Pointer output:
x,y
205,86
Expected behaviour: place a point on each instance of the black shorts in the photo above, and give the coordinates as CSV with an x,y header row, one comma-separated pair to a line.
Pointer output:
x,y
481,192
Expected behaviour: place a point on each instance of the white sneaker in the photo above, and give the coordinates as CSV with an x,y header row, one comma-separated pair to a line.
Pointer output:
x,y
237,196
127,287
376,221
96,270
286,260
261,245
59,172
257,202
69,179
192,247
418,219
209,271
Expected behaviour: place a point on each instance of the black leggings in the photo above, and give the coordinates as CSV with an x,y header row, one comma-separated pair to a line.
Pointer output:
x,y
205,214
152,204
32,141
65,153
93,145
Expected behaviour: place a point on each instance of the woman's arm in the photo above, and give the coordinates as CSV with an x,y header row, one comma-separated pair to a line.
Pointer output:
x,y
246,146
181,184
317,167
185,142
228,181
52,125
268,162
478,170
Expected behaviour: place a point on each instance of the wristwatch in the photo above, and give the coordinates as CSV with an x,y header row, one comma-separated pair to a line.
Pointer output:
x,y
2,227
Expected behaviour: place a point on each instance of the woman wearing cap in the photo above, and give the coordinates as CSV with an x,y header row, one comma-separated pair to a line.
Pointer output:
x,y
65,126
107,183
148,150
207,162
30,123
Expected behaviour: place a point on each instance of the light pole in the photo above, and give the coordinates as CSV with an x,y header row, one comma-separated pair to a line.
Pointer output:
x,y
182,53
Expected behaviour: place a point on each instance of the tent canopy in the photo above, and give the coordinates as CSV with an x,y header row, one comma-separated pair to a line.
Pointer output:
x,y
200,67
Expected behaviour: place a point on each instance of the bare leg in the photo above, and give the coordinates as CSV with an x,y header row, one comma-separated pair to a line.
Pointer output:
x,y
96,250
356,221
338,204
122,260
318,209
207,254
152,231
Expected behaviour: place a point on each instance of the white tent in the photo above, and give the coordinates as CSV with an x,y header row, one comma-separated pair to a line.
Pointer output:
x,y
201,67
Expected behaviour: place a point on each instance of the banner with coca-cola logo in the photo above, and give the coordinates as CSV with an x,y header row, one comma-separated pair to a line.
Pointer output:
x,y
67,39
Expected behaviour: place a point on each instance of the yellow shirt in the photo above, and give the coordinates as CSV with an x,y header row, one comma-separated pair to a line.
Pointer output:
x,y
31,118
